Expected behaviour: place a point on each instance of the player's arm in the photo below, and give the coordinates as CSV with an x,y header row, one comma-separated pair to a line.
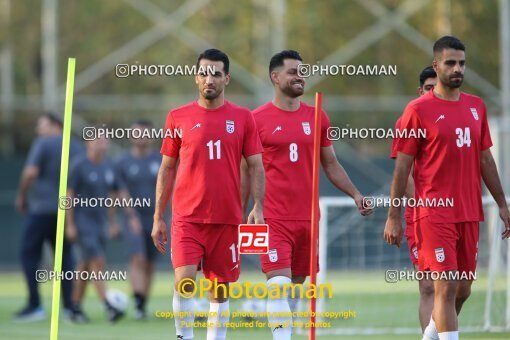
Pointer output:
x,y
113,225
339,178
410,184
70,227
134,222
164,186
393,228
257,179
491,179
28,176
245,187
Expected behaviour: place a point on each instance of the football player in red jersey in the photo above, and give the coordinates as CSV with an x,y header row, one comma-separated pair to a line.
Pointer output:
x,y
448,164
206,203
428,79
285,127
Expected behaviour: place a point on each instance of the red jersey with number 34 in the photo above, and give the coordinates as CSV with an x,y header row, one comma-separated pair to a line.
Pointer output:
x,y
207,184
447,160
287,138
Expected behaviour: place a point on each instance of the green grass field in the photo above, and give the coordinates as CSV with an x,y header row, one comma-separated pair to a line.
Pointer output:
x,y
378,305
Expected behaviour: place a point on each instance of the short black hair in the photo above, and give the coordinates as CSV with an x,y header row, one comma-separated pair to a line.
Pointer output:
x,y
428,72
278,59
53,118
215,55
448,42
143,122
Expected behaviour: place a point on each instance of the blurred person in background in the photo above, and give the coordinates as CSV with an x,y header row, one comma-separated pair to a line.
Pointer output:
x,y
37,199
137,171
91,176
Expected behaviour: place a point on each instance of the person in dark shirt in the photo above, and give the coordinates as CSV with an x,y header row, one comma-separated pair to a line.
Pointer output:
x,y
91,179
37,198
137,171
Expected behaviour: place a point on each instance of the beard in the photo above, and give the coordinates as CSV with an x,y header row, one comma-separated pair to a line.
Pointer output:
x,y
211,95
292,92
453,83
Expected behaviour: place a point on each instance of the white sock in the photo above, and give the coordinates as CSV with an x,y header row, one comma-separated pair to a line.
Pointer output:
x,y
294,305
281,325
294,302
183,313
430,332
219,316
454,335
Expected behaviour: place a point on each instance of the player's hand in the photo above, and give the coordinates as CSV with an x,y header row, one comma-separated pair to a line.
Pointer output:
x,y
393,231
364,211
158,234
256,216
21,204
71,232
135,225
114,230
505,217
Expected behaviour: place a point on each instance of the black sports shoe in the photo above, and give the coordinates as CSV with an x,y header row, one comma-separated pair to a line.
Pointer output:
x,y
29,314
113,314
77,315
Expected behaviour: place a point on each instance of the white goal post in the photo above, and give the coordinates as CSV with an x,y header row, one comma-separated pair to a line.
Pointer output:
x,y
495,258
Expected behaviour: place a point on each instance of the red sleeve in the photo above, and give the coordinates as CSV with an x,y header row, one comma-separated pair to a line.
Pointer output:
x,y
409,122
251,142
486,134
325,125
393,153
171,146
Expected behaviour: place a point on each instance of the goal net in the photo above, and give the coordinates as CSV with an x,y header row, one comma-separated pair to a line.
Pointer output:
x,y
354,259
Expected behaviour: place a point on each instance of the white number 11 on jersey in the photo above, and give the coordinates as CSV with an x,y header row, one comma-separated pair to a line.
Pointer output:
x,y
211,146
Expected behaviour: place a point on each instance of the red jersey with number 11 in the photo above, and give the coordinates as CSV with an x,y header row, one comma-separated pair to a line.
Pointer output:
x,y
447,159
287,138
207,184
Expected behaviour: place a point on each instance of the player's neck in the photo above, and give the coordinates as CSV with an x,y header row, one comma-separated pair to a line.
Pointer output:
x,y
447,93
211,103
286,103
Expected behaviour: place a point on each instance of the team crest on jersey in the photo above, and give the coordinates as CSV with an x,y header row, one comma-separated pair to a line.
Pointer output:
x,y
306,128
230,126
475,113
415,252
273,255
440,255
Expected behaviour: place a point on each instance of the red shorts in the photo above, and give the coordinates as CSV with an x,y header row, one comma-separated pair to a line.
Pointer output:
x,y
213,244
447,246
289,247
411,242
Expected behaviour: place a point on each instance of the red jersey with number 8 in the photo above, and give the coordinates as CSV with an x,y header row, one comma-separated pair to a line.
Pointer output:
x,y
287,138
212,141
447,159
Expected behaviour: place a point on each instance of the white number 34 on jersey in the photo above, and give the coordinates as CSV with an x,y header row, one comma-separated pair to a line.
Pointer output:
x,y
463,137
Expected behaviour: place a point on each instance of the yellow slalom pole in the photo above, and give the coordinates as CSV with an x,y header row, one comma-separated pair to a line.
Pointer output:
x,y
62,190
